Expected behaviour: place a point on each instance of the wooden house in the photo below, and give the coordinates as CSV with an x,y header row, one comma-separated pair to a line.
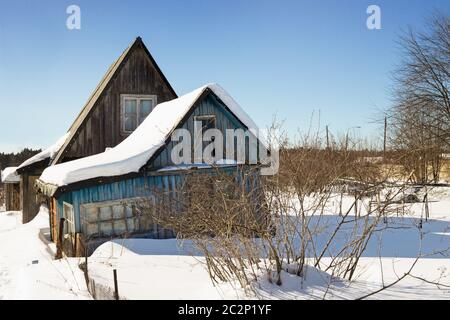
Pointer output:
x,y
11,181
128,92
96,195
29,171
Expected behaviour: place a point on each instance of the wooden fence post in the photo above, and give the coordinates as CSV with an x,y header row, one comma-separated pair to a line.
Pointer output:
x,y
86,261
116,287
60,239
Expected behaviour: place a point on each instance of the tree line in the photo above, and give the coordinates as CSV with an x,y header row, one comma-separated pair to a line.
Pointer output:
x,y
14,159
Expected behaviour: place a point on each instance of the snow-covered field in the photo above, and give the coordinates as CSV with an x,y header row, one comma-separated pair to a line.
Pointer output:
x,y
166,269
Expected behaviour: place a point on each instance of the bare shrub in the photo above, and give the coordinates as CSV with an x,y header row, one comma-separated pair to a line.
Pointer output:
x,y
223,213
248,226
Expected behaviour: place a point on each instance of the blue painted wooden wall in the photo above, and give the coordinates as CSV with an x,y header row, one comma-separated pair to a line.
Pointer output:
x,y
129,188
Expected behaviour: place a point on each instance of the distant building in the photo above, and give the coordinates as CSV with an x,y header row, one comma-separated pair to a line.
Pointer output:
x,y
11,183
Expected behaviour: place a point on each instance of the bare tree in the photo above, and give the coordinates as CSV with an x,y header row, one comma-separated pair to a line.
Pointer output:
x,y
420,118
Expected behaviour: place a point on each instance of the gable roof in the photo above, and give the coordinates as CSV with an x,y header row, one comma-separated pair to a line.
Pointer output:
x,y
101,87
43,158
132,154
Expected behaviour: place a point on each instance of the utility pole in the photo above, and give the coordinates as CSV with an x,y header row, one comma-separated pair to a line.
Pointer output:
x,y
384,138
328,141
346,141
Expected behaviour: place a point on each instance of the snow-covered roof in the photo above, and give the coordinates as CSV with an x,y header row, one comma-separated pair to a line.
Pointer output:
x,y
9,175
135,151
48,153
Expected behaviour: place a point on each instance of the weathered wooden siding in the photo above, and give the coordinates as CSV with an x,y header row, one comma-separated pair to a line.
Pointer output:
x,y
29,198
12,196
143,186
102,127
209,105
131,188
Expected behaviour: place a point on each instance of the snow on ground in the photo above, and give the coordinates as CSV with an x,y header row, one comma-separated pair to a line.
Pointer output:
x,y
159,269
319,285
27,268
155,269
167,269
162,269
9,219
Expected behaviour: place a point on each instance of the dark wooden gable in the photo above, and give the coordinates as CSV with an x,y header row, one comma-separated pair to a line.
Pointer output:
x,y
98,126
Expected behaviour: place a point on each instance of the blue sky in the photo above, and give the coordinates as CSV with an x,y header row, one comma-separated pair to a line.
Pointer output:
x,y
289,58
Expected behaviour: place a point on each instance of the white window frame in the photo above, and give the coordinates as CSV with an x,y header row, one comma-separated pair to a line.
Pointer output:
x,y
199,119
205,117
128,202
69,218
202,118
138,98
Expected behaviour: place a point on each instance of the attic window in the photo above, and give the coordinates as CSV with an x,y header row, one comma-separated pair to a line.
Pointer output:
x,y
205,122
134,110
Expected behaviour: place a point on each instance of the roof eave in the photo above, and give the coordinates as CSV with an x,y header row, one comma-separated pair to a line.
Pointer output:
x,y
38,164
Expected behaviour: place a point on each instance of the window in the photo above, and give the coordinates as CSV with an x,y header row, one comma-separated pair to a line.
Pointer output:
x,y
69,224
134,110
206,122
115,218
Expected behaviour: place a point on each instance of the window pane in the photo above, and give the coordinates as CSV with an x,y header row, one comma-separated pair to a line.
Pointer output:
x,y
130,112
130,106
130,123
91,229
68,215
106,229
209,123
105,213
145,107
